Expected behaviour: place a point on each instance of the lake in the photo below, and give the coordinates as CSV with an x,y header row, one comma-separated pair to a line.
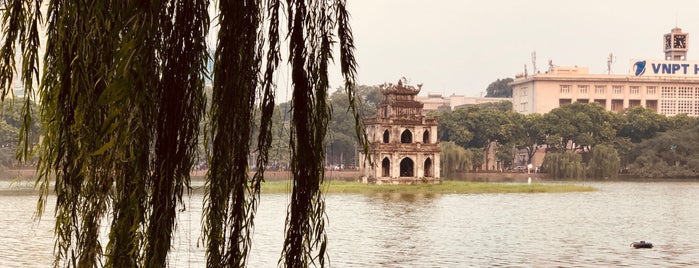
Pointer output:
x,y
587,229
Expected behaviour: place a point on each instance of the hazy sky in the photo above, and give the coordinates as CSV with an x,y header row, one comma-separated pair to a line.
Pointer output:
x,y
460,46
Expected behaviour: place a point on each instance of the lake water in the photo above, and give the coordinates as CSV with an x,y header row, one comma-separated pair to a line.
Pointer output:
x,y
591,229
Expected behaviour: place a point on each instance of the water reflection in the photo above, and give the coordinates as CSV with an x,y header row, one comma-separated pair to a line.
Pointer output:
x,y
592,229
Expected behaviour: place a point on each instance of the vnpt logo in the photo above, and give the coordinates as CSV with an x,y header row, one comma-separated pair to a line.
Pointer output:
x,y
639,68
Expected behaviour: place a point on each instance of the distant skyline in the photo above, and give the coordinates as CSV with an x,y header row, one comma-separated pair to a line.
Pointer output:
x,y
459,47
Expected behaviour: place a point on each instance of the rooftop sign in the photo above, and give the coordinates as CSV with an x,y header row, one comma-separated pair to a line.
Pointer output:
x,y
664,68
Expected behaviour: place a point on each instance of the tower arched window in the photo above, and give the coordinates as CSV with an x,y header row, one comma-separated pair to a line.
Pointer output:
x,y
407,167
386,136
428,167
385,167
406,136
426,137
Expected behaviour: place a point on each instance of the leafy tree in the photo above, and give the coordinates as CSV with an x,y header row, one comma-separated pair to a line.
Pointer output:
x,y
504,154
565,165
641,123
342,145
453,126
11,121
604,162
680,121
454,158
582,125
623,147
670,154
122,99
477,158
480,126
533,133
499,89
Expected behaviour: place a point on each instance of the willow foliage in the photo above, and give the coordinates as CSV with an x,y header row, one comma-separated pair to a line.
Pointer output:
x,y
454,158
604,163
121,99
566,165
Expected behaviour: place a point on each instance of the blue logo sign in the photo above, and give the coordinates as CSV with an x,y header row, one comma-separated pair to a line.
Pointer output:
x,y
639,68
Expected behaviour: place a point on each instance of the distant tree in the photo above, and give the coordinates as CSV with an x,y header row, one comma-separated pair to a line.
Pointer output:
x,y
640,123
533,133
604,163
453,126
477,158
454,158
680,121
480,126
500,89
341,141
581,125
671,154
11,121
565,165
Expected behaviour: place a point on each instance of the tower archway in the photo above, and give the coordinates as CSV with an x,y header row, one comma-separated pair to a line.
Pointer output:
x,y
385,167
386,136
407,167
406,136
428,167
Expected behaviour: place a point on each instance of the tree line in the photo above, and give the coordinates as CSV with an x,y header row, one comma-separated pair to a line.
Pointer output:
x,y
580,139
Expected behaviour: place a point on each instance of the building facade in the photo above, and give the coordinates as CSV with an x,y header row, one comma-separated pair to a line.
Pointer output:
x,y
669,86
403,144
437,102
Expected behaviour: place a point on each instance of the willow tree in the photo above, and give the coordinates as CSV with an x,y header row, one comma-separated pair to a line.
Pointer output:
x,y
121,98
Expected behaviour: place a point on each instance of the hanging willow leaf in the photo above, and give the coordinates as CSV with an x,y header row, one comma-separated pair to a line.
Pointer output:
x,y
121,102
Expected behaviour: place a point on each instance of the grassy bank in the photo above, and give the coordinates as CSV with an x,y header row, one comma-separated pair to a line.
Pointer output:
x,y
447,187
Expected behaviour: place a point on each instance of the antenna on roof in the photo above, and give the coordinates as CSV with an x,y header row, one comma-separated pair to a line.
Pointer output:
x,y
610,60
534,62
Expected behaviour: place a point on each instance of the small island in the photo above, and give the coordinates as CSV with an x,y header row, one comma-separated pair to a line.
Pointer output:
x,y
446,187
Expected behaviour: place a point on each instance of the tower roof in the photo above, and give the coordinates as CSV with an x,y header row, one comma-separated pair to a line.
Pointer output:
x,y
401,88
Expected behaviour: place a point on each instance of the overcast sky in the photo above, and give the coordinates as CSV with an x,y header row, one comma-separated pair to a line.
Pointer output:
x,y
460,46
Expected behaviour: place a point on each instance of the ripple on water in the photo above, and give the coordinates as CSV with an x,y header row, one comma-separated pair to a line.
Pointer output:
x,y
592,229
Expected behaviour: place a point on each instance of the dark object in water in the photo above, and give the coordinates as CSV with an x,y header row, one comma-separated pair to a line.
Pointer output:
x,y
642,244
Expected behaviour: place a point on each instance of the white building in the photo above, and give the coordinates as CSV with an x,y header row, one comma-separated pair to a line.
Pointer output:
x,y
669,86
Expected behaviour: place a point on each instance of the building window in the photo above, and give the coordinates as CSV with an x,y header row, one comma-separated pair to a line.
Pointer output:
x,y
565,89
635,90
617,89
600,89
685,93
617,105
582,89
668,92
651,90
634,103
386,136
562,102
601,102
426,137
523,106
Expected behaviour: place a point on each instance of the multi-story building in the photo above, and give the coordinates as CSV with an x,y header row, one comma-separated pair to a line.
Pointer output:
x,y
437,102
669,86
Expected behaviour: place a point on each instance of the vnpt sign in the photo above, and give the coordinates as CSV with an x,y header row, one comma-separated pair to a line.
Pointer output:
x,y
664,68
